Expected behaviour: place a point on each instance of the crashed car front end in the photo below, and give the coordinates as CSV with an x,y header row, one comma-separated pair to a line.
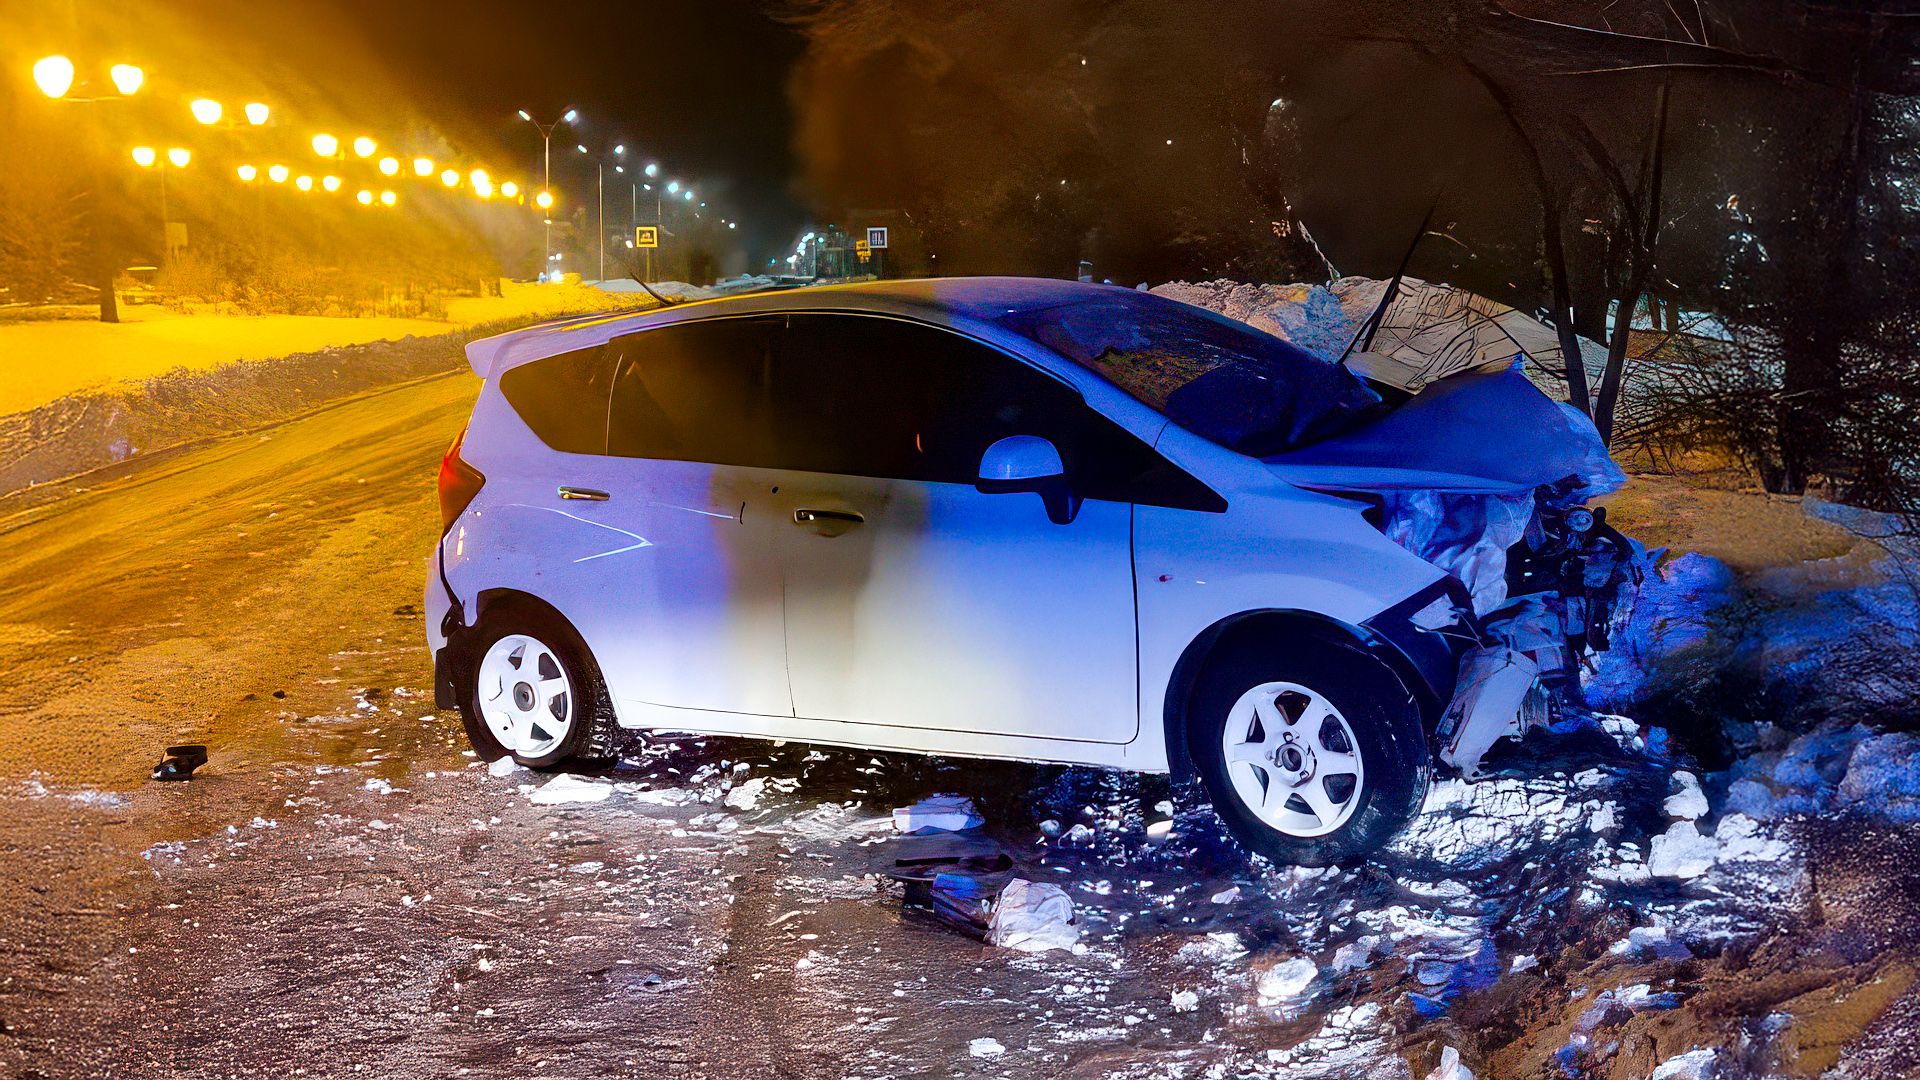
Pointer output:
x,y
1485,478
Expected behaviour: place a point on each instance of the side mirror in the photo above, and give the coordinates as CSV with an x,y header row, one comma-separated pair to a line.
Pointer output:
x,y
1029,463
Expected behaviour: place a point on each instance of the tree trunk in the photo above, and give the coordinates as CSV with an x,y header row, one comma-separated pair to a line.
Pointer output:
x,y
109,303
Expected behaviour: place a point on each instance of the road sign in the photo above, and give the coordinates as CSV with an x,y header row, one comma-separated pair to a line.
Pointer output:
x,y
861,247
646,236
876,238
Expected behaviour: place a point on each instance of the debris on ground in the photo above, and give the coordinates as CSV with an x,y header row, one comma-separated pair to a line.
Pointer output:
x,y
950,813
1033,917
180,762
568,788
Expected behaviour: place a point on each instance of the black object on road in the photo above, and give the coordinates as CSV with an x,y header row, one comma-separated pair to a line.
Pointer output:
x,y
180,762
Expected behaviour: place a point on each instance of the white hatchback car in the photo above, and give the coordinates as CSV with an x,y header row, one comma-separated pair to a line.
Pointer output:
x,y
1004,518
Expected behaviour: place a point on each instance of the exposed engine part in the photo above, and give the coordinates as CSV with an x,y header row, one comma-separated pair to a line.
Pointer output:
x,y
1566,579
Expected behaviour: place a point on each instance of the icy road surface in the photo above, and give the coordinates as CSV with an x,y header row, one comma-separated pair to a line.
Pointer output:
x,y
344,892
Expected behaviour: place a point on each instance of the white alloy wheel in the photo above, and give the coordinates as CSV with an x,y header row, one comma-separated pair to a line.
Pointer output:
x,y
524,696
1292,759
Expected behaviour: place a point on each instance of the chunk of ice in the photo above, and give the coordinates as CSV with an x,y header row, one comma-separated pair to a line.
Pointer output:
x,y
567,788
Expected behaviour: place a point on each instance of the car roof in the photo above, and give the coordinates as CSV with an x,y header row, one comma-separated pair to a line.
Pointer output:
x,y
943,301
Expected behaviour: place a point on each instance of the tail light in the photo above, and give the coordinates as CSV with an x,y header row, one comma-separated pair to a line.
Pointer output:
x,y
459,483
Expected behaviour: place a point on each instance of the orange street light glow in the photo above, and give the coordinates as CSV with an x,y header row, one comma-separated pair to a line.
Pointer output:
x,y
326,145
54,75
278,174
389,166
144,156
365,197
509,189
256,114
422,166
331,183
206,110
179,156
388,198
544,200
126,77
305,183
247,173
450,178
363,146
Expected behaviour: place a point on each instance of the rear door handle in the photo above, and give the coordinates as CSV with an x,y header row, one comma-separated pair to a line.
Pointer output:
x,y
588,494
807,517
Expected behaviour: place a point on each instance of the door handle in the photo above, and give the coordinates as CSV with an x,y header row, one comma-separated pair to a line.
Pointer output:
x,y
808,517
589,494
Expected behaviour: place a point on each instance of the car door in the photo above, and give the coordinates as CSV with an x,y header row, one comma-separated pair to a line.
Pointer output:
x,y
912,599
691,614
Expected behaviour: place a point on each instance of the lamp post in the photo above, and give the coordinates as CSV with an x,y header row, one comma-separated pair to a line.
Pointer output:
x,y
546,159
57,78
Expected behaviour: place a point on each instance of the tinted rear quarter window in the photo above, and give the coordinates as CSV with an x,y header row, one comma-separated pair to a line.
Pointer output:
x,y
697,391
563,398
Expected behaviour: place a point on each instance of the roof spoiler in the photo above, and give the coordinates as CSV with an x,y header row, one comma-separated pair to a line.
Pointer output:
x,y
482,352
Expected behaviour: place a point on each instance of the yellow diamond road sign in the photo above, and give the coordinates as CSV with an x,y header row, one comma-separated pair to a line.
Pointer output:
x,y
860,246
647,236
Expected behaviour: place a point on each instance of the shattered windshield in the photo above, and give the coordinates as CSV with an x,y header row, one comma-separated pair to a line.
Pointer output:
x,y
1221,379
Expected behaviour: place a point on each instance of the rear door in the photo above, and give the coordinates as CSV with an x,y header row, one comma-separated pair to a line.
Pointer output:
x,y
912,599
692,612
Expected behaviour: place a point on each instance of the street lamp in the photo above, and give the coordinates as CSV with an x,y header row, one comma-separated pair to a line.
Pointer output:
x,y
179,155
277,174
144,156
388,198
544,200
331,183
247,173
326,145
206,110
364,146
389,166
653,169
546,157
450,178
422,166
509,189
305,183
365,197
126,78
54,75
256,113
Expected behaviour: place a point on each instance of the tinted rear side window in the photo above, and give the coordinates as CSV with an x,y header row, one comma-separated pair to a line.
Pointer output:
x,y
697,391
564,399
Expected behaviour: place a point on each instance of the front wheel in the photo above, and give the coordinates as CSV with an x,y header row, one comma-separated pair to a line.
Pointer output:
x,y
1312,753
533,692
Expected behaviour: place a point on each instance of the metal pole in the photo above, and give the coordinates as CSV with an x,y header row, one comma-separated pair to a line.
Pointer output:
x,y
600,168
546,216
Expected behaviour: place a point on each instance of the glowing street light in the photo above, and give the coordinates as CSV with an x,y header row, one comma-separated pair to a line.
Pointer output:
x,y
326,145
363,146
331,183
653,168
687,194
388,198
54,75
450,178
422,166
179,156
571,116
673,187
206,110
509,189
277,174
247,173
365,197
480,178
544,200
126,78
144,156
389,166
257,113
305,183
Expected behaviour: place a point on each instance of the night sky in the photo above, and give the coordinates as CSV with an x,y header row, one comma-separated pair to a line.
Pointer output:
x,y
700,84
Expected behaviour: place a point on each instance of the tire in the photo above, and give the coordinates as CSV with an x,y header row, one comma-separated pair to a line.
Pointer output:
x,y
1297,792
530,689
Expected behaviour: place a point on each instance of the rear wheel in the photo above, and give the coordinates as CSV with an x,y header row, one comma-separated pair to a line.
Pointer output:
x,y
1312,753
533,692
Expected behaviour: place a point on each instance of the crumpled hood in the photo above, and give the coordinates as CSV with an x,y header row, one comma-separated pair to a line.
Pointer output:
x,y
1481,433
